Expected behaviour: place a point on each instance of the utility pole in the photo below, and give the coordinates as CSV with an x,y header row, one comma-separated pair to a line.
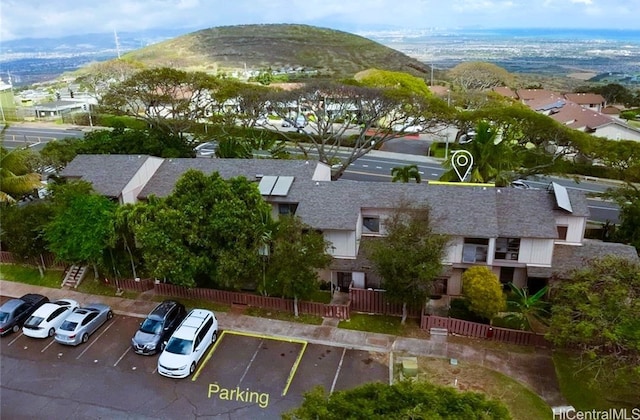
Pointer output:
x,y
431,75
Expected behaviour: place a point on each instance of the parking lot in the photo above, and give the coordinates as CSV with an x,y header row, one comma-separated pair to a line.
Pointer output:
x,y
243,375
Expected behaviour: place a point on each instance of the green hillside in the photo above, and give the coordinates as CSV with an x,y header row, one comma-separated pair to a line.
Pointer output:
x,y
330,52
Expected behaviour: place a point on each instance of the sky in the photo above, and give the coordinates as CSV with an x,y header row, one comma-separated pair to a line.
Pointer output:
x,y
56,18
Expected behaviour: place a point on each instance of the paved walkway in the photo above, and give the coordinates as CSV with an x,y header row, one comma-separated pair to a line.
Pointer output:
x,y
533,369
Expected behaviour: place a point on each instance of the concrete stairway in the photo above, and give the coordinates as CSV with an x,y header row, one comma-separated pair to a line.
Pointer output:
x,y
74,276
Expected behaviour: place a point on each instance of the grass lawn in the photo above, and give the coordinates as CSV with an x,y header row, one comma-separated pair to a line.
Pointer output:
x,y
584,393
283,316
30,275
384,324
521,401
91,286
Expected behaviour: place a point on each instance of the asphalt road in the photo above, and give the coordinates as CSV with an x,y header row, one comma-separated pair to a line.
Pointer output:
x,y
245,377
367,168
21,135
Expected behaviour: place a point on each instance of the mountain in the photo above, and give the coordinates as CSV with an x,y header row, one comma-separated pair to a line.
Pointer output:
x,y
330,52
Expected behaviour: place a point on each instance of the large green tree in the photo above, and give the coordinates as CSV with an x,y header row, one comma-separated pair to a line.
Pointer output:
x,y
207,232
409,257
81,226
402,400
16,177
483,290
477,75
298,252
22,230
357,117
167,99
597,311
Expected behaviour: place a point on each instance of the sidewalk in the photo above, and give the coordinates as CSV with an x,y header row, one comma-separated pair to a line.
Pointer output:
x,y
533,369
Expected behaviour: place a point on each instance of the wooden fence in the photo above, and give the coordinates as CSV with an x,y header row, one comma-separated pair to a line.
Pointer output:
x,y
247,299
49,260
476,330
374,302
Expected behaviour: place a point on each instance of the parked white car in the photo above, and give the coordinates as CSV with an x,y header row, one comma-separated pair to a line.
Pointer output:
x,y
188,343
44,321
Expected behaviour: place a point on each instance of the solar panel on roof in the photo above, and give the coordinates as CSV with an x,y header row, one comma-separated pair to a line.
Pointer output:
x,y
562,197
282,186
266,184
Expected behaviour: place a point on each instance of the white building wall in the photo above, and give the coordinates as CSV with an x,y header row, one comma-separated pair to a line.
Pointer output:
x,y
130,192
343,243
617,132
575,228
536,251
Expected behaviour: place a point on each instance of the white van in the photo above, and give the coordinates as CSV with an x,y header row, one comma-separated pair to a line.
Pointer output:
x,y
188,343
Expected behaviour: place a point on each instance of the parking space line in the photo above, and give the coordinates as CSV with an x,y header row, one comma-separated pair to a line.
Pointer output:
x,y
255,354
14,340
294,368
122,357
335,378
48,345
96,339
207,357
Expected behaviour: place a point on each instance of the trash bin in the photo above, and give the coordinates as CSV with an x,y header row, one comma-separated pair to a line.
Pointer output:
x,y
490,332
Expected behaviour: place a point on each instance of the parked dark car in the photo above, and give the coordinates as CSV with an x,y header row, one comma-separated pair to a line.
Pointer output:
x,y
14,312
158,327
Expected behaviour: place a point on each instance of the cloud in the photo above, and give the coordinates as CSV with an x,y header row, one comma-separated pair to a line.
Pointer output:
x,y
46,18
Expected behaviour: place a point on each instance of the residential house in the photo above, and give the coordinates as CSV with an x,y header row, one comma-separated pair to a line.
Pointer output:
x,y
524,236
580,111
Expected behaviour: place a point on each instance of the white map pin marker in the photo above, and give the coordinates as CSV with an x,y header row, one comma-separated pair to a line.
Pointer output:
x,y
459,160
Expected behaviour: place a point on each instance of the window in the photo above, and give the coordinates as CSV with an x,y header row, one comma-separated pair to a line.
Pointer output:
x,y
475,250
370,225
285,209
562,232
56,313
507,249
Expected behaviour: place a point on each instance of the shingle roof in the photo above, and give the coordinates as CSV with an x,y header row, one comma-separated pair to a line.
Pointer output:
x,y
455,210
567,258
585,98
165,178
109,174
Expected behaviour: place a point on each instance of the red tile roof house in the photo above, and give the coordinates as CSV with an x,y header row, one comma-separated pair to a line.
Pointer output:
x,y
519,234
593,101
565,111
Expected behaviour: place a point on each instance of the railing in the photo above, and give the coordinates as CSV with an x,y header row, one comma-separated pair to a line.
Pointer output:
x,y
477,330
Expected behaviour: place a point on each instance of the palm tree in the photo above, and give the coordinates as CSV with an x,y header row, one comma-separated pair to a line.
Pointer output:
x,y
531,308
494,159
405,173
16,179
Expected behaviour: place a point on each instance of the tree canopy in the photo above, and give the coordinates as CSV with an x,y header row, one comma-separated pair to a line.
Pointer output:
x,y
477,75
207,232
82,224
16,177
409,257
298,252
402,400
597,311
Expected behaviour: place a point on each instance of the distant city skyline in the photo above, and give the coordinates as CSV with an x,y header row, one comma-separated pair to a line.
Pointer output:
x,y
52,19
